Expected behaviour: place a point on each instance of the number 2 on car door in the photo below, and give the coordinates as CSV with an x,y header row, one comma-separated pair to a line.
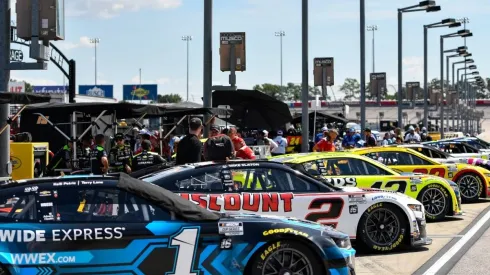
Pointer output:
x,y
401,185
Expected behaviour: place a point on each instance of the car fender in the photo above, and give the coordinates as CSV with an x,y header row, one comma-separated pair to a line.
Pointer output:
x,y
474,170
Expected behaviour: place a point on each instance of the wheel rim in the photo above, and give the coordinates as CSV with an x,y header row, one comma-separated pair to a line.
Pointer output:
x,y
287,261
382,227
469,186
434,201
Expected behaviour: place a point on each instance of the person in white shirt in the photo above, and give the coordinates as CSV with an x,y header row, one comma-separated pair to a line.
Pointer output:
x,y
412,136
263,139
281,142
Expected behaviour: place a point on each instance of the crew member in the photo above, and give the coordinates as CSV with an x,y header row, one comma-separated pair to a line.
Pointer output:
x,y
98,156
83,152
145,135
146,158
120,155
60,160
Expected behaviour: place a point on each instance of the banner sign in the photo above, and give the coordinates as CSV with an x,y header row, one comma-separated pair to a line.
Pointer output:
x,y
140,92
323,71
232,41
50,89
17,87
377,85
106,91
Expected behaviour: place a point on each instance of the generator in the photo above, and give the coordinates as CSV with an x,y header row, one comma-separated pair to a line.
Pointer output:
x,y
29,159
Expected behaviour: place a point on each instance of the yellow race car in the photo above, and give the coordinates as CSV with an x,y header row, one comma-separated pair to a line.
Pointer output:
x,y
439,196
473,181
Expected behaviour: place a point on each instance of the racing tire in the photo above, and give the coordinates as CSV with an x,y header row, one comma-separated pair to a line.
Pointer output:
x,y
293,255
470,187
382,227
436,201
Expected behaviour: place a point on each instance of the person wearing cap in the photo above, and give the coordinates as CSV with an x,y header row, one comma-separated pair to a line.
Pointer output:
x,y
263,139
412,136
321,135
218,147
145,135
146,158
350,139
60,160
282,144
98,157
189,149
370,138
120,155
83,152
327,144
424,136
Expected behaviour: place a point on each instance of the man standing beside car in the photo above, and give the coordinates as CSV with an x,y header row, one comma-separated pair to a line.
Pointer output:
x,y
190,147
218,147
98,156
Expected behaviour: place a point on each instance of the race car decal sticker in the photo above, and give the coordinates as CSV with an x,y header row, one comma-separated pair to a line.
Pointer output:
x,y
333,206
211,258
413,188
226,243
61,235
437,171
353,209
351,182
31,189
402,185
262,202
359,199
230,228
284,231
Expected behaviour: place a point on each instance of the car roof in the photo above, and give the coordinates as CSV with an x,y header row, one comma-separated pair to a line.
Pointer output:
x,y
15,183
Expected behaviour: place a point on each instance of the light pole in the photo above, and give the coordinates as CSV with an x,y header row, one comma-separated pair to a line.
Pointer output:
x,y
373,28
187,39
427,6
280,34
453,83
460,51
95,41
449,22
362,25
460,33
467,92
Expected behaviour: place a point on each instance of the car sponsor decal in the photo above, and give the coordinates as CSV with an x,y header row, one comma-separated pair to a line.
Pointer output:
x,y
284,231
230,228
342,181
262,202
413,188
436,171
226,243
270,249
358,199
402,185
61,235
334,205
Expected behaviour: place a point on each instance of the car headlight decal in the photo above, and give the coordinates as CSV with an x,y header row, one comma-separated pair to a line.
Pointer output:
x,y
415,207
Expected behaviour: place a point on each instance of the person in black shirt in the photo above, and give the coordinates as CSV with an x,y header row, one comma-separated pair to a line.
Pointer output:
x,y
83,152
120,155
98,156
146,158
60,160
190,147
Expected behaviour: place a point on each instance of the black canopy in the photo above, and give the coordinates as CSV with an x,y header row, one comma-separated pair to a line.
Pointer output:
x,y
23,98
166,199
253,109
122,109
328,118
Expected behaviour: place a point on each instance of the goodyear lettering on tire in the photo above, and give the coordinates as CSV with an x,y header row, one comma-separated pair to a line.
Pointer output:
x,y
392,246
374,206
444,192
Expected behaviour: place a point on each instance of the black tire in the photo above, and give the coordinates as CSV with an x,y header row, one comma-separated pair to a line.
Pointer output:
x,y
436,201
270,252
392,226
470,186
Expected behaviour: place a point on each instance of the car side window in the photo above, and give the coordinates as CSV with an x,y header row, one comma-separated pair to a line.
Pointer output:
x,y
435,154
391,158
98,205
419,161
302,185
18,205
255,179
207,181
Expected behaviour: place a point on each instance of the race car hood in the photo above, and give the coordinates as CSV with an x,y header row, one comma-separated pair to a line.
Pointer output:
x,y
293,224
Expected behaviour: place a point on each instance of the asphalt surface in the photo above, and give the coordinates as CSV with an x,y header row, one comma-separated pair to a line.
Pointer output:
x,y
418,260
474,260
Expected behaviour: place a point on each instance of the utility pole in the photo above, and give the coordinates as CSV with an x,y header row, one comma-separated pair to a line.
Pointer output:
x,y
4,83
280,34
373,28
95,41
187,39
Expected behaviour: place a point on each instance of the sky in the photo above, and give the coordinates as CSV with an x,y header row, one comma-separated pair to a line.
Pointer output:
x,y
147,34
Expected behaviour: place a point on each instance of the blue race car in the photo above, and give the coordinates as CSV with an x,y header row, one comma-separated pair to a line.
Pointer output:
x,y
121,225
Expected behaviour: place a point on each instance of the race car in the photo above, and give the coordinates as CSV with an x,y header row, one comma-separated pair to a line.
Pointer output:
x,y
345,169
443,157
460,149
475,142
473,181
121,225
379,220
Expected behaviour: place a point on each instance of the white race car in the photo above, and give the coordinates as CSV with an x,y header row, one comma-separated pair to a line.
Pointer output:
x,y
435,153
460,149
378,219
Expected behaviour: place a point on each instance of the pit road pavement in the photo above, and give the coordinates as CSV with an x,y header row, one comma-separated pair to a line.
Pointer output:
x,y
406,262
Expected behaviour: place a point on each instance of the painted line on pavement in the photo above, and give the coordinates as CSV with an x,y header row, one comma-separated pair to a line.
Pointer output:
x,y
446,257
445,236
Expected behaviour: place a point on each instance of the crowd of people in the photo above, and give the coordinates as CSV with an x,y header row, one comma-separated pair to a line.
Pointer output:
x,y
134,152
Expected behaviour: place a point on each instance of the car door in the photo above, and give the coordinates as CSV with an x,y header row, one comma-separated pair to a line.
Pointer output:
x,y
105,226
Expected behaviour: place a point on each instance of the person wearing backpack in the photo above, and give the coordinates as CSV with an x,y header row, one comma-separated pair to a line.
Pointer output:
x,y
218,147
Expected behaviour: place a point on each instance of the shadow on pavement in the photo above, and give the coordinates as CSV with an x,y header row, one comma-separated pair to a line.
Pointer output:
x,y
360,252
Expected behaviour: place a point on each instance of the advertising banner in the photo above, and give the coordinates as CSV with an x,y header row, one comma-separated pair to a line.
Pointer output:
x,y
17,87
377,85
50,89
413,89
227,42
140,92
106,91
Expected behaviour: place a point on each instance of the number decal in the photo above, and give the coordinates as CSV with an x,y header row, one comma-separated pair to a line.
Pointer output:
x,y
402,185
335,206
437,171
185,242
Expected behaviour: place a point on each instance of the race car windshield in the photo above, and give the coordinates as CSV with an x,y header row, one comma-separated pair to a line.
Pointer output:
x,y
155,176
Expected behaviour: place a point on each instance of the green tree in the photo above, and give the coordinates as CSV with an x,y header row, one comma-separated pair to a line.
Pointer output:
x,y
290,92
28,85
351,88
169,98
